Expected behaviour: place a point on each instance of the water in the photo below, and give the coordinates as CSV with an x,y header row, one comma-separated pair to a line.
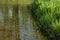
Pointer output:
x,y
25,24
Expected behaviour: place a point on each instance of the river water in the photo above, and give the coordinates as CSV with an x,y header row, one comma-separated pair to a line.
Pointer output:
x,y
25,24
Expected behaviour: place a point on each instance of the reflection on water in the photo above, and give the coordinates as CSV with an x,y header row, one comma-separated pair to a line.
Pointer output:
x,y
25,24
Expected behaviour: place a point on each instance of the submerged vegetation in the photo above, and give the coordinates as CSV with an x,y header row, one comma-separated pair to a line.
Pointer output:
x,y
46,14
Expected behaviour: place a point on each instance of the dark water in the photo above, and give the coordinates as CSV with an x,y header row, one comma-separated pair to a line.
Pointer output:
x,y
25,24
